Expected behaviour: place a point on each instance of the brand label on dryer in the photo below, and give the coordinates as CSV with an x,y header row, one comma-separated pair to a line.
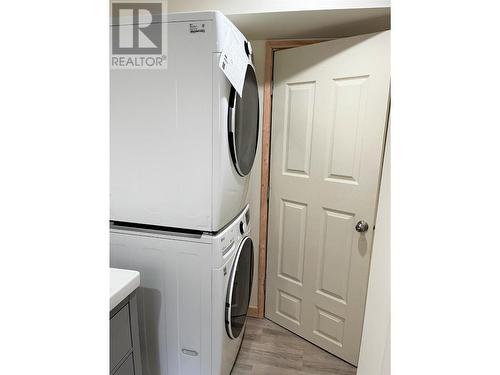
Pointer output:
x,y
196,28
233,61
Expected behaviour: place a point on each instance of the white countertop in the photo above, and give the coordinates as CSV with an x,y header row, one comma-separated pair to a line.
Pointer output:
x,y
121,284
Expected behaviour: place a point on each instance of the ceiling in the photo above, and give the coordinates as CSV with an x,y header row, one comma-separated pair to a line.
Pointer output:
x,y
312,23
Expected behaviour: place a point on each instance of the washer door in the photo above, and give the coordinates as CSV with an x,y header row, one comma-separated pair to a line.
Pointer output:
x,y
243,123
239,289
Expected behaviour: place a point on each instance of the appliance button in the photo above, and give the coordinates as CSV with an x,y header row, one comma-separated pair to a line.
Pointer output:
x,y
242,227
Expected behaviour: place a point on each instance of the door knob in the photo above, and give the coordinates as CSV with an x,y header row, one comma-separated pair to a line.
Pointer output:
x,y
361,226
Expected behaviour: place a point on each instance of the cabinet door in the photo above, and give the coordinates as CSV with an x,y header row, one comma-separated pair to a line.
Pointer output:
x,y
119,336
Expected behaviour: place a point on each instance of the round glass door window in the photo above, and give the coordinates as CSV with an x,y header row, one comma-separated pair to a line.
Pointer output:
x,y
240,286
243,123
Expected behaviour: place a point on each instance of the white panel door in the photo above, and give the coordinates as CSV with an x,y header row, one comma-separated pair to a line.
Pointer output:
x,y
330,103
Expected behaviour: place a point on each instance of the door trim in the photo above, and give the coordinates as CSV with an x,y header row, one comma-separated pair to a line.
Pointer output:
x,y
271,47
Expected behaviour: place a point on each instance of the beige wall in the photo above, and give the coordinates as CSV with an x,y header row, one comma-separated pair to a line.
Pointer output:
x,y
259,49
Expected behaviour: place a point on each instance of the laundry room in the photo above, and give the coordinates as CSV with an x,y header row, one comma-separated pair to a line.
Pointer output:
x,y
215,187
247,173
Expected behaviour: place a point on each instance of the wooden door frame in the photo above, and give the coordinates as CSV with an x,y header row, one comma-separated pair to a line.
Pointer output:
x,y
271,47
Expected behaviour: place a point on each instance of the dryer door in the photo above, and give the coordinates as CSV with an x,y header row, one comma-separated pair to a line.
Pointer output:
x,y
243,123
239,289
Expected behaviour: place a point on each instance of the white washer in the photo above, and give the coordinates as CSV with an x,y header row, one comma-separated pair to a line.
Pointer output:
x,y
194,295
182,141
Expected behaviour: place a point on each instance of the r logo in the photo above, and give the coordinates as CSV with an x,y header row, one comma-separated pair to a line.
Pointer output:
x,y
139,31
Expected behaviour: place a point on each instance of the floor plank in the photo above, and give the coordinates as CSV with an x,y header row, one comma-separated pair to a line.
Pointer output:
x,y
268,349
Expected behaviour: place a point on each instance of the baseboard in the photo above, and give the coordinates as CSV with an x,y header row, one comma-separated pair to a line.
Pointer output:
x,y
253,311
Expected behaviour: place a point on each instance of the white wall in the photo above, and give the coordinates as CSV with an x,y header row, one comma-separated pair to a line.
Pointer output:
x,y
374,356
264,6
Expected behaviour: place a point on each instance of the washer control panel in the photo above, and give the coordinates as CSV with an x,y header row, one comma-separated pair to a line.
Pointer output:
x,y
233,234
227,241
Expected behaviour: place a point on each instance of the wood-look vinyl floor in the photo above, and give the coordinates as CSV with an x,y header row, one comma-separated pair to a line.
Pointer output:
x,y
268,349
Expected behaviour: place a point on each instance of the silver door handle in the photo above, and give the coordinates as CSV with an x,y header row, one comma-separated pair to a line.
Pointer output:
x,y
361,226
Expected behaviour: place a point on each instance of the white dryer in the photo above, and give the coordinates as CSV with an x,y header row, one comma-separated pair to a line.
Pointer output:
x,y
194,295
183,141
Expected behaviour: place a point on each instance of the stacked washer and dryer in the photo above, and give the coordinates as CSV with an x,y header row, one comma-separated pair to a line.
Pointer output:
x,y
183,142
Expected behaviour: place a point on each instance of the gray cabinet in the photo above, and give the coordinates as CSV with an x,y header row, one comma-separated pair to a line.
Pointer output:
x,y
124,351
